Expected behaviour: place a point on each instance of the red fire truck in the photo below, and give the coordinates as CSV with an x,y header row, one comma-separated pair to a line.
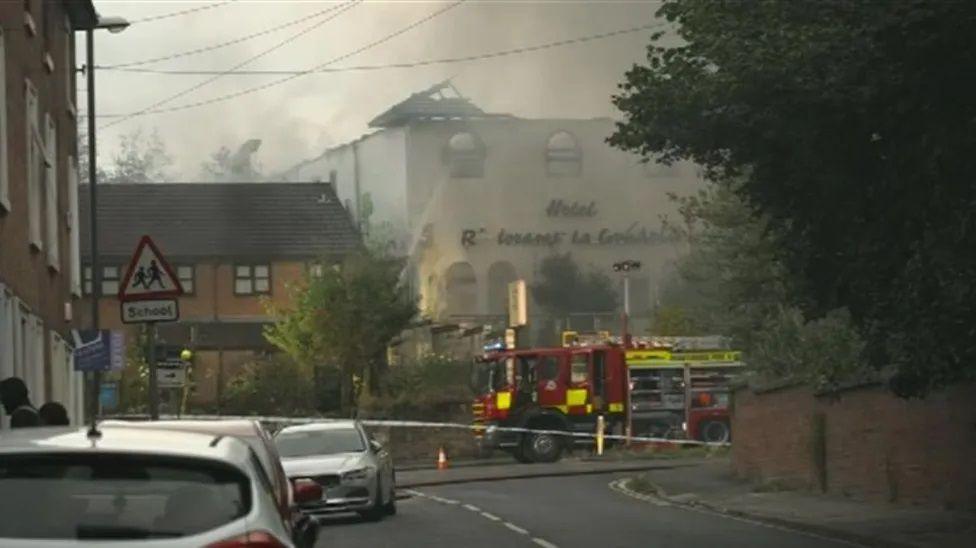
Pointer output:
x,y
659,388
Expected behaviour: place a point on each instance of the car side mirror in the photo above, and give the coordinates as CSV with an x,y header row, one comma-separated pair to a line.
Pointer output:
x,y
375,446
306,490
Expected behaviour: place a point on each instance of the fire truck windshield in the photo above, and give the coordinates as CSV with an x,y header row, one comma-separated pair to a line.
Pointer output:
x,y
488,375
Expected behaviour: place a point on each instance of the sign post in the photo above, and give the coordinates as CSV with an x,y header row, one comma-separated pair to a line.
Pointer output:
x,y
148,294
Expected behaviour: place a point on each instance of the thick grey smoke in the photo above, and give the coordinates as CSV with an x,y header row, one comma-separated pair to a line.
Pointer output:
x,y
299,119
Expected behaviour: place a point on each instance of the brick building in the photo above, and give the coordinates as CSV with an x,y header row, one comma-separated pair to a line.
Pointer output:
x,y
39,244
234,246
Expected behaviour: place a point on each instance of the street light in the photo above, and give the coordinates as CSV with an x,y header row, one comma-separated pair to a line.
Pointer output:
x,y
626,267
114,25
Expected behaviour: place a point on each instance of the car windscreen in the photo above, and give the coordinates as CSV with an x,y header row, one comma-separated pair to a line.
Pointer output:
x,y
114,496
319,442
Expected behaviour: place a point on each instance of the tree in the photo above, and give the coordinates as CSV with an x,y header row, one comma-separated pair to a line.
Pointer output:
x,y
563,288
140,159
851,133
236,167
344,317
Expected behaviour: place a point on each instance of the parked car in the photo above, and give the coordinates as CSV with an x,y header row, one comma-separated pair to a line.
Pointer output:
x,y
304,529
355,471
125,486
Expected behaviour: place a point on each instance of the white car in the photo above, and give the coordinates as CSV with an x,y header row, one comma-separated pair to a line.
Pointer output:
x,y
127,486
355,472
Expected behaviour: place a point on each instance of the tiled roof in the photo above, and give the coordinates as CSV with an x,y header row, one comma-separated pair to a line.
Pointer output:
x,y
230,220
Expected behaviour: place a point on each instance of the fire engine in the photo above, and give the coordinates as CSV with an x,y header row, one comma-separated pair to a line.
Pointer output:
x,y
656,387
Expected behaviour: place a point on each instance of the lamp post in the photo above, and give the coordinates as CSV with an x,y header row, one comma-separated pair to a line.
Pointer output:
x,y
113,25
626,267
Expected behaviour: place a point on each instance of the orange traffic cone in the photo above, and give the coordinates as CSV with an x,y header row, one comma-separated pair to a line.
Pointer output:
x,y
441,459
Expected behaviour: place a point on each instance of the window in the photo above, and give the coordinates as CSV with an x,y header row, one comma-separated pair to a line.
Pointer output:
x,y
466,155
35,165
69,67
73,229
563,156
548,368
4,176
186,274
51,207
579,369
86,280
110,280
252,279
177,497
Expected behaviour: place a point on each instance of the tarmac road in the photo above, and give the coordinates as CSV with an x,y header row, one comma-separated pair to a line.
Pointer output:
x,y
563,512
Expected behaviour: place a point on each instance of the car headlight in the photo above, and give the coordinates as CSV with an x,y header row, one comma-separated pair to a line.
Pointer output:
x,y
355,475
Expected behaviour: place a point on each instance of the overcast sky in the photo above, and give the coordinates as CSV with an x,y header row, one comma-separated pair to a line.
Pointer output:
x,y
299,118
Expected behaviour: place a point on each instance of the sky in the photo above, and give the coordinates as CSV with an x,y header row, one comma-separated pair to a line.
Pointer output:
x,y
300,117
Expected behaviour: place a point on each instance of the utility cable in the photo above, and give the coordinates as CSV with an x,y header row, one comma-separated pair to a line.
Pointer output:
x,y
280,81
238,40
339,10
410,64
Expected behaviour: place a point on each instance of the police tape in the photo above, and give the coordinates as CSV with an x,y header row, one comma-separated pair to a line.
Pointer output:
x,y
474,427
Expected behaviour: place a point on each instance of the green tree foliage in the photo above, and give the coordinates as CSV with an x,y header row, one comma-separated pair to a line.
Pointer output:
x,y
564,288
850,130
432,389
274,386
343,318
732,282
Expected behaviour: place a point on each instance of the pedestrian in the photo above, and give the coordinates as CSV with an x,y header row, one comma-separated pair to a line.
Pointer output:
x,y
16,403
54,414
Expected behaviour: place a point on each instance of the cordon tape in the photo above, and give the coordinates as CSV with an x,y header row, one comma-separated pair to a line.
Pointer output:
x,y
424,424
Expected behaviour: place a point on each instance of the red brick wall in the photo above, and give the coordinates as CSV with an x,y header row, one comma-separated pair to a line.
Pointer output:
x,y
875,445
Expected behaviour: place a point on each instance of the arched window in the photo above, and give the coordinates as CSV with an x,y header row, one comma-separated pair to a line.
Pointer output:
x,y
500,274
466,155
563,155
461,287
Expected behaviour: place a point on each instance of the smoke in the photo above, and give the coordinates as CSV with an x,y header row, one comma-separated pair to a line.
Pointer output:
x,y
297,120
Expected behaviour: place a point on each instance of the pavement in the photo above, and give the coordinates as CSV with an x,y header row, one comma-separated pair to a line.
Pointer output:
x,y
505,469
709,485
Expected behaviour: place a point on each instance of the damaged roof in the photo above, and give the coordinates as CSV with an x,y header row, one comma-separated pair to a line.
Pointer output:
x,y
431,104
226,220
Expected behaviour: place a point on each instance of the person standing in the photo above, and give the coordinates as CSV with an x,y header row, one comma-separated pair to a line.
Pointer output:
x,y
16,403
54,414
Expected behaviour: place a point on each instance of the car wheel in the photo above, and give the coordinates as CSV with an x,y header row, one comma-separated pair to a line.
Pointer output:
x,y
377,511
390,508
519,454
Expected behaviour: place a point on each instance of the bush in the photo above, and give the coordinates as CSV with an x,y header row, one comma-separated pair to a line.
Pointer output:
x,y
435,388
272,386
825,351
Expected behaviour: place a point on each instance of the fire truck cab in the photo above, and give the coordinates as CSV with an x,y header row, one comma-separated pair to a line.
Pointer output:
x,y
547,390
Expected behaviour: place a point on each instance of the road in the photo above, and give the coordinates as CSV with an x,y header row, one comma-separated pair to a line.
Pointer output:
x,y
563,512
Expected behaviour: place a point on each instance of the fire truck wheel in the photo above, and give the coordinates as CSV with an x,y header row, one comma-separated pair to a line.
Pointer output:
x,y
715,432
519,454
543,447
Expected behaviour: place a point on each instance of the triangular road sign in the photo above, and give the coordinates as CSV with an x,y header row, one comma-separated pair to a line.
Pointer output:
x,y
149,275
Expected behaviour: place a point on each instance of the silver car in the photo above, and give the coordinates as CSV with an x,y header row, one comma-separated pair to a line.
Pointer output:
x,y
355,472
60,486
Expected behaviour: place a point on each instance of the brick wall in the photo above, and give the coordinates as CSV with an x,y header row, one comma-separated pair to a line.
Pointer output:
x,y
864,442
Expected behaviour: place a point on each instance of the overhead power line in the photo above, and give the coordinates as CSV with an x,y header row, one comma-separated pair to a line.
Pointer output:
x,y
408,64
238,40
338,10
182,12
289,78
